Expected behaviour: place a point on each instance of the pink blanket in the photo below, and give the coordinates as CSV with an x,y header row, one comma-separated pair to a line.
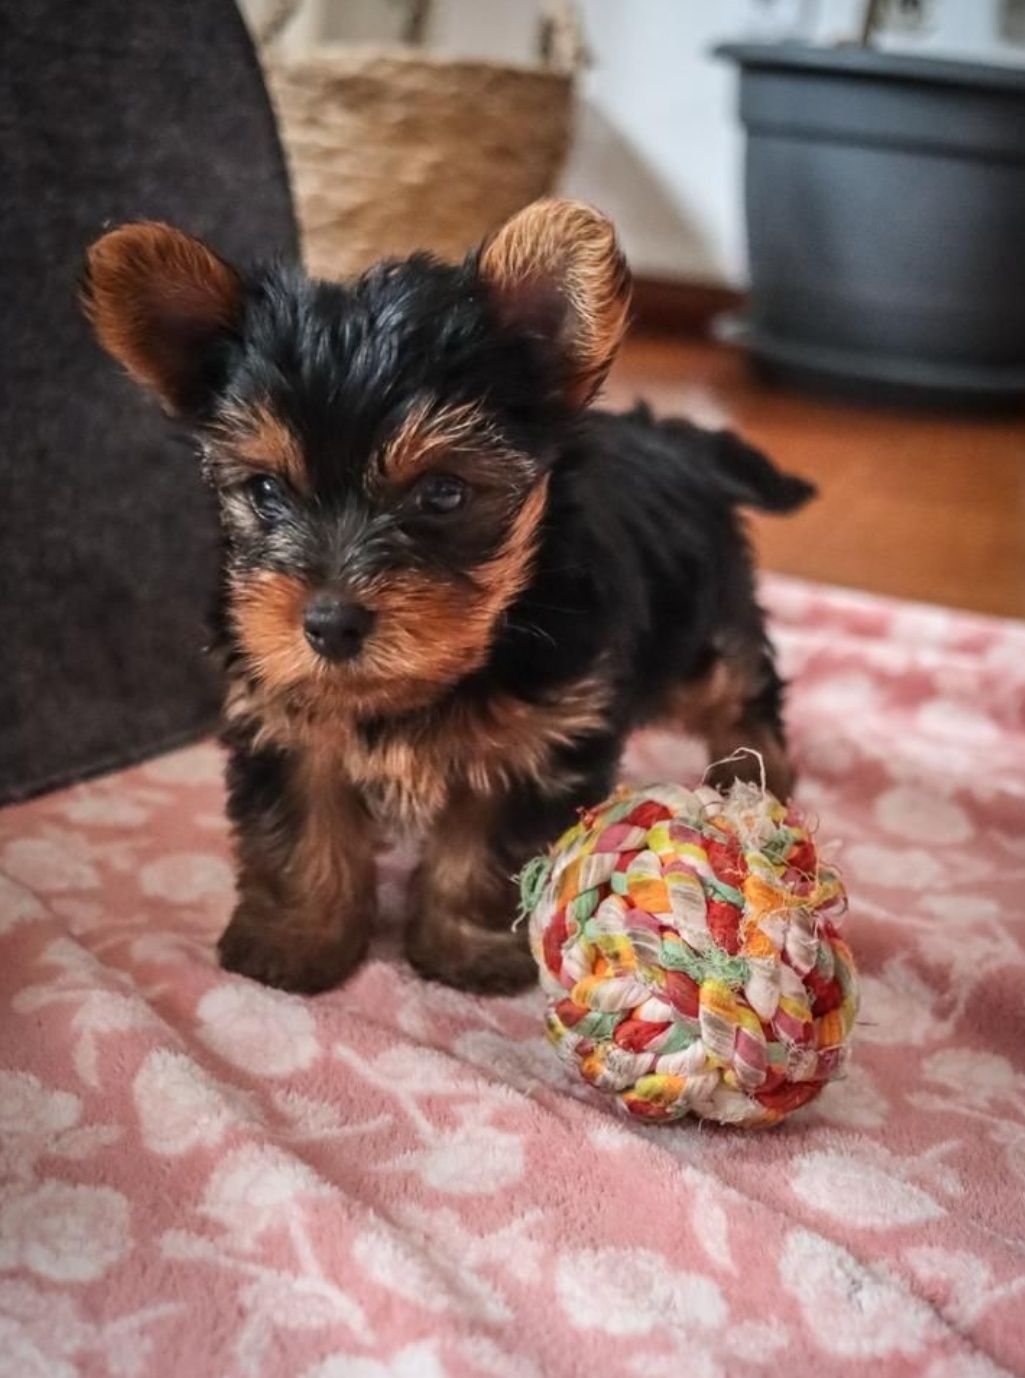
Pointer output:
x,y
201,1178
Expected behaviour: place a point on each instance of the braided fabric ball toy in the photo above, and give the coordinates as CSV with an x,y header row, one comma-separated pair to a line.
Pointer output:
x,y
687,943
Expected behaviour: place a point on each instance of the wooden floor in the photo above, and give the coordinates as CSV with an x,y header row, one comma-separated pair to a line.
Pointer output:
x,y
931,508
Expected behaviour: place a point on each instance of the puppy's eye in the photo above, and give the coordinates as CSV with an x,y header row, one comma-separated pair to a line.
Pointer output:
x,y
268,497
440,494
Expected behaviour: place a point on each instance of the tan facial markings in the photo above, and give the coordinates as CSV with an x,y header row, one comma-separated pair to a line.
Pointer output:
x,y
423,434
255,437
267,611
430,630
432,437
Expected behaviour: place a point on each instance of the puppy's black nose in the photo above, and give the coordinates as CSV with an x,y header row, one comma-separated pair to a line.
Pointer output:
x,y
335,629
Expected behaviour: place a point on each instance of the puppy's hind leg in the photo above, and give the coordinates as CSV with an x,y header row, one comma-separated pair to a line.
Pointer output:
x,y
737,707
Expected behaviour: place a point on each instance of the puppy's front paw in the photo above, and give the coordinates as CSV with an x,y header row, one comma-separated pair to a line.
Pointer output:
x,y
288,955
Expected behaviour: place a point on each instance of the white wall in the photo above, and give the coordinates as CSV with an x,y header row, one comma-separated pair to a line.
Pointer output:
x,y
657,142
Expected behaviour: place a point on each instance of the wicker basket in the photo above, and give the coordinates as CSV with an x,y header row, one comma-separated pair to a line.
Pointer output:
x,y
392,150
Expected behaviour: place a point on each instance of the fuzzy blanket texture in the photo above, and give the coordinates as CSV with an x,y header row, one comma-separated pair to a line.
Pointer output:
x,y
202,1177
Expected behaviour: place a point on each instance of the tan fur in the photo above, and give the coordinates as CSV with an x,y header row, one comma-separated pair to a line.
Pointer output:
x,y
716,709
482,747
572,248
334,864
267,610
257,438
153,294
410,773
437,631
713,705
306,904
461,905
427,434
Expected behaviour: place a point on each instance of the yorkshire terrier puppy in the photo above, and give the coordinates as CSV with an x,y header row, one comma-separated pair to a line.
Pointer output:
x,y
450,588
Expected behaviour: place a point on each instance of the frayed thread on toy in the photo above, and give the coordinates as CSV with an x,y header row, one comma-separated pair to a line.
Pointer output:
x,y
739,755
531,881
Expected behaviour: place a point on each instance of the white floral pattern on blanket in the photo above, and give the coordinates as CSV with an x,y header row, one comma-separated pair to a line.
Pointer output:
x,y
202,1177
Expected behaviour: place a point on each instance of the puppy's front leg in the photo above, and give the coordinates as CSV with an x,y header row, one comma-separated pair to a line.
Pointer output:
x,y
463,903
307,874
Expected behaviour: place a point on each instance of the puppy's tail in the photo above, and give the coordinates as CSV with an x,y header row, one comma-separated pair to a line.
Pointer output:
x,y
752,479
747,477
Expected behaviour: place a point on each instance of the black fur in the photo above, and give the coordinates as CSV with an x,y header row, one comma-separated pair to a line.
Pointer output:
x,y
643,558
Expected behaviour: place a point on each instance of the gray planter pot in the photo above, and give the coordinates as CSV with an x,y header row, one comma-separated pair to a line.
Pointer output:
x,y
885,202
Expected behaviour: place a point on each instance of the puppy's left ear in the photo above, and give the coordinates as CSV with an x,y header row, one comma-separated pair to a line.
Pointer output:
x,y
163,305
556,271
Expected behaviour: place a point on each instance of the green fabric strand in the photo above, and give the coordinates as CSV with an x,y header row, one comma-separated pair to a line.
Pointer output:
x,y
598,1025
532,881
678,1038
722,891
733,971
581,908
779,845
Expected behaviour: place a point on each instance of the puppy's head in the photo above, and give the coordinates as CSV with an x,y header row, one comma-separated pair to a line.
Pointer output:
x,y
381,450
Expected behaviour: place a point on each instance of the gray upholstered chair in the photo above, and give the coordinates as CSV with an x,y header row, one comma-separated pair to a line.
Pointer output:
x,y
112,110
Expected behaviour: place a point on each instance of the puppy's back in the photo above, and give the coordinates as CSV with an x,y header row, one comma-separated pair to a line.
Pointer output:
x,y
662,498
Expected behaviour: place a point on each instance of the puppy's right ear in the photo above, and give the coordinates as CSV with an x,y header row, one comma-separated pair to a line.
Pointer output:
x,y
163,305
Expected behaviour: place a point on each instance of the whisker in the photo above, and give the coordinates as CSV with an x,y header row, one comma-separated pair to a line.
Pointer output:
x,y
530,629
